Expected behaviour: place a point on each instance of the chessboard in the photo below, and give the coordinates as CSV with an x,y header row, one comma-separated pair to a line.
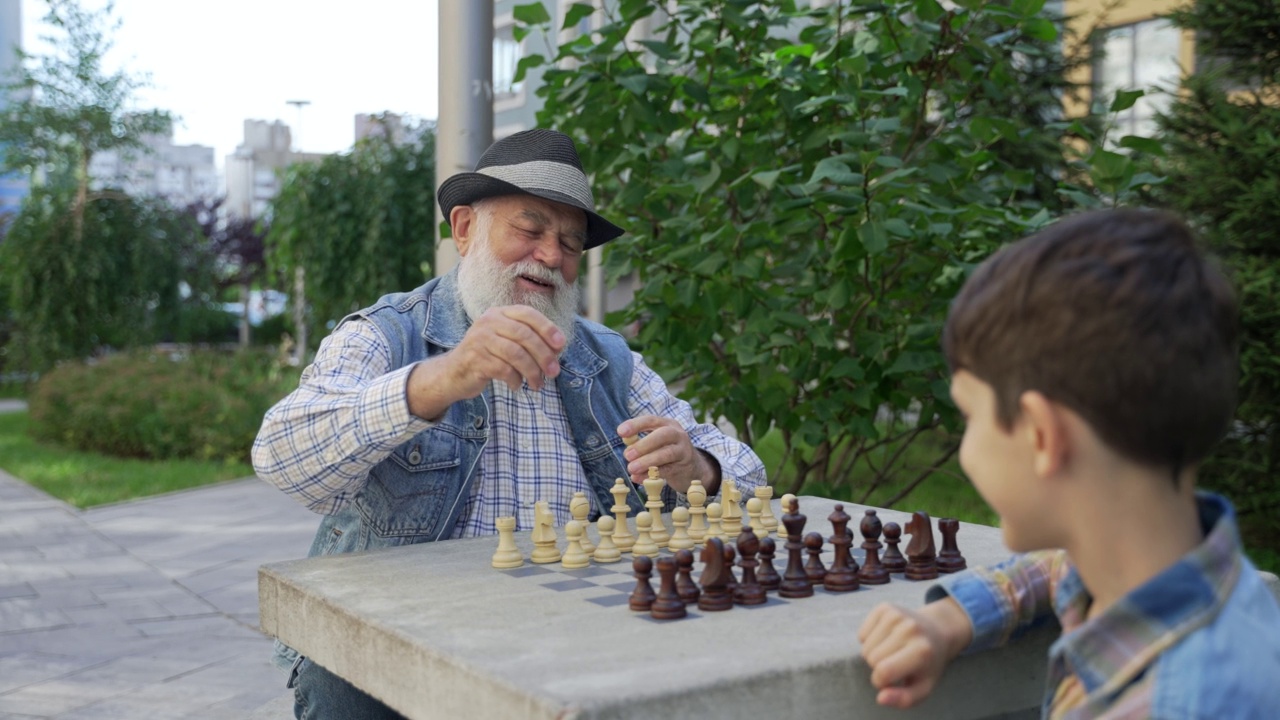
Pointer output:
x,y
437,632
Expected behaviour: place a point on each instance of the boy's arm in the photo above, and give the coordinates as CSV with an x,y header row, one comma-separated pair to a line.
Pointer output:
x,y
1005,599
908,649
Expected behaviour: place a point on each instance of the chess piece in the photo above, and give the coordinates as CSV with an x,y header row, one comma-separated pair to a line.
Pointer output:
x,y
642,597
795,583
606,551
667,605
622,537
766,573
680,539
715,579
922,563
765,493
653,489
892,560
580,508
949,558
814,570
507,554
685,585
749,591
842,576
574,556
544,535
731,520
755,513
729,554
644,541
715,526
872,572
697,511
784,507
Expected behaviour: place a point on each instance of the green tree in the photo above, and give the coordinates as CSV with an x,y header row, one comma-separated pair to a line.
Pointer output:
x,y
1221,140
361,225
806,189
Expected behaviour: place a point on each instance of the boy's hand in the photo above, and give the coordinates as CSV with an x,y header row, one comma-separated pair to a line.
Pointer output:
x,y
908,649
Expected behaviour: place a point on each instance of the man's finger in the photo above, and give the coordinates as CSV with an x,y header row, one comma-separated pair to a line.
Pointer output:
x,y
547,330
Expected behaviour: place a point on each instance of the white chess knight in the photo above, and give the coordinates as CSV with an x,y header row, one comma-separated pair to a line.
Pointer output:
x,y
544,534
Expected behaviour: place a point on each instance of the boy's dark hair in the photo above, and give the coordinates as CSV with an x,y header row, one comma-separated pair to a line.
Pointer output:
x,y
1117,315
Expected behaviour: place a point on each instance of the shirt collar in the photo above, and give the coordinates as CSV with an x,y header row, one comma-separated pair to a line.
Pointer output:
x,y
1107,652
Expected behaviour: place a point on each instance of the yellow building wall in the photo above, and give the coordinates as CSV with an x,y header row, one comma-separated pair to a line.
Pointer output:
x,y
1088,14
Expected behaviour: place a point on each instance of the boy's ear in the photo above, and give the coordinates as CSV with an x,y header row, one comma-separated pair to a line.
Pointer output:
x,y
1046,431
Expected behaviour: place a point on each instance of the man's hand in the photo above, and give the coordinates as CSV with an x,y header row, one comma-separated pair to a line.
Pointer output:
x,y
513,344
908,650
666,446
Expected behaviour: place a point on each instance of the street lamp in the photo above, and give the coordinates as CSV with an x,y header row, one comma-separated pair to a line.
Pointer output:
x,y
299,274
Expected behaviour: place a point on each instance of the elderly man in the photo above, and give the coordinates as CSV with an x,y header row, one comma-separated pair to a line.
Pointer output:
x,y
431,413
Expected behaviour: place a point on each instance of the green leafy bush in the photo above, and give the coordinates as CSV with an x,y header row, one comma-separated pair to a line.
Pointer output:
x,y
199,405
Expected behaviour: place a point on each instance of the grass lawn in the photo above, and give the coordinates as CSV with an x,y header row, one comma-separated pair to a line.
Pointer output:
x,y
86,479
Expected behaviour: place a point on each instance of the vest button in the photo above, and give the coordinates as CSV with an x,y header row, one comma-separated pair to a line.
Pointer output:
x,y
478,422
415,457
593,440
575,383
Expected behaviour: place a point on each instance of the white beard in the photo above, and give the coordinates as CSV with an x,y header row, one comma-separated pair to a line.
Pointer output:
x,y
484,282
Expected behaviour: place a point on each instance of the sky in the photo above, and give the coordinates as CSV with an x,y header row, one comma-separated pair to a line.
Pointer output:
x,y
216,64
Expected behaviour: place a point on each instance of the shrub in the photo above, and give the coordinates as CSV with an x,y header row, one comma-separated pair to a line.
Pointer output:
x,y
202,405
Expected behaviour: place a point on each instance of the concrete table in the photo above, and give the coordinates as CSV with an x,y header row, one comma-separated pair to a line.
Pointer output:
x,y
435,632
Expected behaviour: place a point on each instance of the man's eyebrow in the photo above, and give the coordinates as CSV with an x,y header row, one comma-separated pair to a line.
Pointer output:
x,y
535,216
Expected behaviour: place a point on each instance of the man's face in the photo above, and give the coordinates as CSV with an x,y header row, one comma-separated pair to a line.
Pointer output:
x,y
522,250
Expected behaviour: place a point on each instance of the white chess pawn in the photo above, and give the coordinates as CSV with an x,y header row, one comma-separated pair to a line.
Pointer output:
x,y
784,508
507,555
622,537
606,551
680,539
653,489
765,494
714,527
754,513
697,511
644,542
574,555
579,508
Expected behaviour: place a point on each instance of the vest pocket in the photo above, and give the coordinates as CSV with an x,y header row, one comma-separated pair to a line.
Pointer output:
x,y
408,496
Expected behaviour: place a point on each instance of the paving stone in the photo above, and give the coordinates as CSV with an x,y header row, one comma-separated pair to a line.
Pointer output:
x,y
28,668
23,614
16,590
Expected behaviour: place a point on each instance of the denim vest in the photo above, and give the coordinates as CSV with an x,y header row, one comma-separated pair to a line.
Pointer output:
x,y
416,494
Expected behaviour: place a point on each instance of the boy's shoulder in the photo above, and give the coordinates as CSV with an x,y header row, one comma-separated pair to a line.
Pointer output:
x,y
1228,667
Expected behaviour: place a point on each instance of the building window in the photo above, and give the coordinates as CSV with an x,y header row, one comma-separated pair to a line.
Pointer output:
x,y
1142,56
506,56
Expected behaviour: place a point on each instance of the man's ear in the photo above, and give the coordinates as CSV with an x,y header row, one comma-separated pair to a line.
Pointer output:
x,y
462,219
1046,431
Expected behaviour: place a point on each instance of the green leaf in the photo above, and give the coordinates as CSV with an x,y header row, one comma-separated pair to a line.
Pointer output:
x,y
1041,29
531,14
836,171
766,178
708,181
636,83
1142,144
873,237
1125,99
576,13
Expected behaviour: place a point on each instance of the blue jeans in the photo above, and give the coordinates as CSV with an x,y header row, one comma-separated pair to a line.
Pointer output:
x,y
320,695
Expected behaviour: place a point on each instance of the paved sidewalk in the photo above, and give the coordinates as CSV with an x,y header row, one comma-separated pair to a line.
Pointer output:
x,y
145,609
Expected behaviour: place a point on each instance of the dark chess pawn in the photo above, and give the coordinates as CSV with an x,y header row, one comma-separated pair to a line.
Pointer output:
x,y
814,569
642,597
922,563
749,591
842,576
795,583
766,574
715,578
949,558
729,554
685,585
667,605
872,572
892,560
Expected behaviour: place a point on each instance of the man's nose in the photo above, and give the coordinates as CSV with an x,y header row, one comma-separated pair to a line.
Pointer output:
x,y
548,252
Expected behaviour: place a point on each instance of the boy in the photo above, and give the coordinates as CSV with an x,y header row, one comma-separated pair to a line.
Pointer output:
x,y
1094,363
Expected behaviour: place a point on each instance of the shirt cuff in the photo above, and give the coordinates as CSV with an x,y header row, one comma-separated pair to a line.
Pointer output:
x,y
981,601
384,414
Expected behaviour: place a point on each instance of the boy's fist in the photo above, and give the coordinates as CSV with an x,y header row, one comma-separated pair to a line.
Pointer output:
x,y
908,649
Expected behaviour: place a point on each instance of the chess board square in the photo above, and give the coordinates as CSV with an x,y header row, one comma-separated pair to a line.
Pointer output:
x,y
527,571
625,586
564,585
593,571
611,600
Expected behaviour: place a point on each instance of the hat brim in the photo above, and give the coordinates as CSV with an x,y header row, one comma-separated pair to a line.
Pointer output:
x,y
467,188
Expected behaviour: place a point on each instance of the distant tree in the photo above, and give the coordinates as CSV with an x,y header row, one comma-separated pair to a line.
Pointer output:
x,y
64,107
1221,141
238,246
361,224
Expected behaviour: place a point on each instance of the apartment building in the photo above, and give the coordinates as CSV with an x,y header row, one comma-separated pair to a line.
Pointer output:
x,y
180,174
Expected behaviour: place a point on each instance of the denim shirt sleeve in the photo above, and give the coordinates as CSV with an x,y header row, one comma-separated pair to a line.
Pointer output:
x,y
1004,599
649,396
350,412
